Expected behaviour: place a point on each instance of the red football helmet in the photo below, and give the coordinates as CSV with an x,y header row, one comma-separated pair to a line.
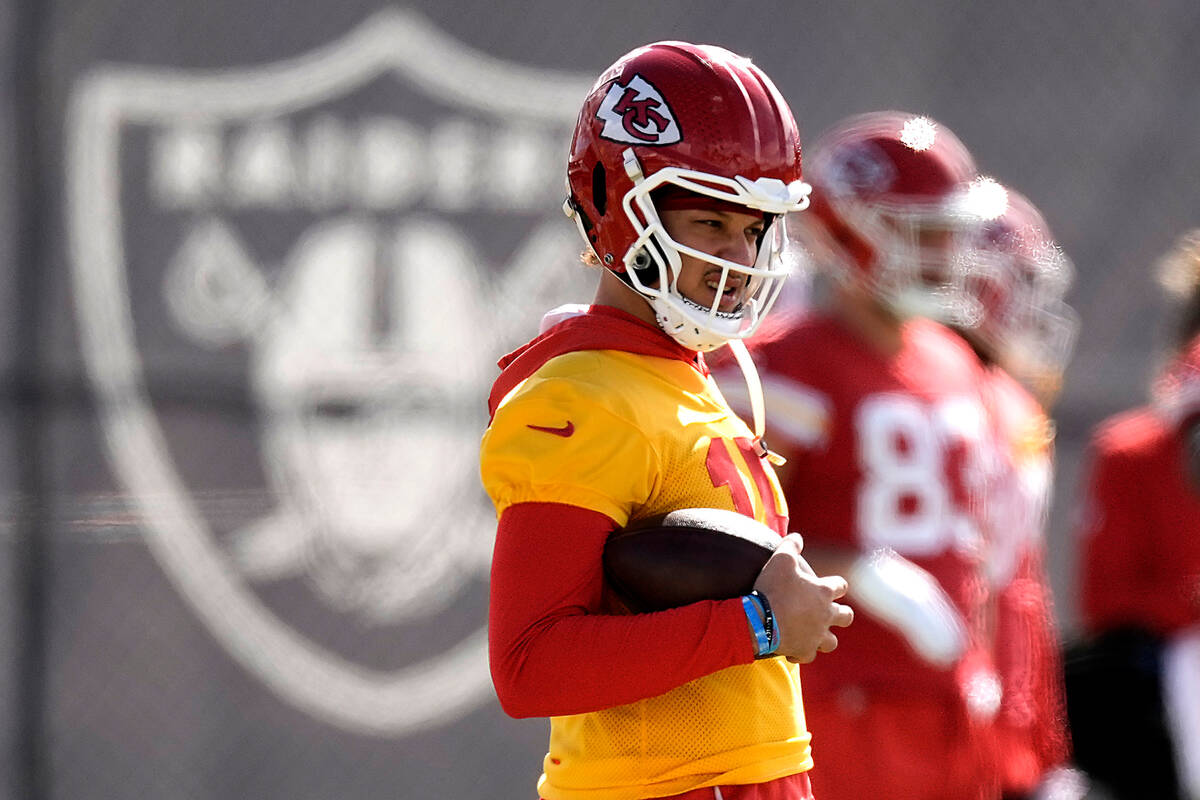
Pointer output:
x,y
888,210
1017,277
703,120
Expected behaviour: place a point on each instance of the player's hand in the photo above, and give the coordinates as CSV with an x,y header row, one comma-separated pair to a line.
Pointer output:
x,y
804,604
909,600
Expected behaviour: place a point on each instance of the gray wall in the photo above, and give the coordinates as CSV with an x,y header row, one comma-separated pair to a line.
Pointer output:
x,y
220,181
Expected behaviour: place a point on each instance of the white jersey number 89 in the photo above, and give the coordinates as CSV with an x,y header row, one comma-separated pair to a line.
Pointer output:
x,y
924,468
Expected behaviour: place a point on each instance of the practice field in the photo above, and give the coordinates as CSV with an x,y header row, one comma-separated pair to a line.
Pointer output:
x,y
261,261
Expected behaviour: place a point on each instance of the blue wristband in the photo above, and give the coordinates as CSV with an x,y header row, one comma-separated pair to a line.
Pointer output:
x,y
753,609
769,626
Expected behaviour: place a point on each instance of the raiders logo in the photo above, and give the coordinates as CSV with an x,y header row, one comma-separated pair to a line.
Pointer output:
x,y
342,245
636,113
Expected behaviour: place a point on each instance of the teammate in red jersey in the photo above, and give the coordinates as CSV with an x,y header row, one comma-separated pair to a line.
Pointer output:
x,y
684,163
1140,574
1022,327
877,409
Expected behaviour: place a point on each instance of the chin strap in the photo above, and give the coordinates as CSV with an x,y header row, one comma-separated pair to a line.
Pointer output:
x,y
754,390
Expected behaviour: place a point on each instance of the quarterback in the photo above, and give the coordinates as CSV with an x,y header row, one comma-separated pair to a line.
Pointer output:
x,y
684,167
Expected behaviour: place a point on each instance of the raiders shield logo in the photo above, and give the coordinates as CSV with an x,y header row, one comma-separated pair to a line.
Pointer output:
x,y
324,257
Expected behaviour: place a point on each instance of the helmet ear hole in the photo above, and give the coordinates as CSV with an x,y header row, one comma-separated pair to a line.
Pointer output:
x,y
643,267
599,189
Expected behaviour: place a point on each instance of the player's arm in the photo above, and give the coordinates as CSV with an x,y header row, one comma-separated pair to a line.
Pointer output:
x,y
553,649
554,653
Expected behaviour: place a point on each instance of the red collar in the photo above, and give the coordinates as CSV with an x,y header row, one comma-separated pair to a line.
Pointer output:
x,y
600,328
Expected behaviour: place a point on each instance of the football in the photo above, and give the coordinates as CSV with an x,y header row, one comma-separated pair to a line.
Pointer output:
x,y
685,556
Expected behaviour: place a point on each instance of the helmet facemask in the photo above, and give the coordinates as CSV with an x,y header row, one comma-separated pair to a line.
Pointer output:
x,y
922,254
654,261
1018,280
893,214
1042,340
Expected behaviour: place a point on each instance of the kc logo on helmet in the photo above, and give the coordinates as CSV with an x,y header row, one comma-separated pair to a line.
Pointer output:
x,y
636,113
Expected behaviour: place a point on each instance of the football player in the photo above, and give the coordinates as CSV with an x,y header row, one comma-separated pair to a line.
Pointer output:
x,y
684,167
1139,672
877,409
1022,328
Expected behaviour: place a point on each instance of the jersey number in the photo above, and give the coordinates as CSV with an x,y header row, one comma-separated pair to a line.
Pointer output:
x,y
924,469
724,472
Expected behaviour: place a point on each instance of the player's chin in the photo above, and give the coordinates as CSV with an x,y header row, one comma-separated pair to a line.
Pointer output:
x,y
730,305
732,301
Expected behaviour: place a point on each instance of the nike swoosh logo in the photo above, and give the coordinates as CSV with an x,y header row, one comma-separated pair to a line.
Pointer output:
x,y
564,431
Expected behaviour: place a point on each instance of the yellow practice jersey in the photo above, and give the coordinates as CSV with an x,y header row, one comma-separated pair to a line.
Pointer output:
x,y
632,436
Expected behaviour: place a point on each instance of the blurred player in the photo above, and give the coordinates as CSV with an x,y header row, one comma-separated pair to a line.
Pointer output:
x,y
1021,327
1140,576
684,161
878,411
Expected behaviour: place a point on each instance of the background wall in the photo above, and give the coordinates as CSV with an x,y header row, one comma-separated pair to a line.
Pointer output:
x,y
243,549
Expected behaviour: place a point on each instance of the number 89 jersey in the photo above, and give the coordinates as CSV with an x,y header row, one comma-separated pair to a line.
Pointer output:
x,y
883,451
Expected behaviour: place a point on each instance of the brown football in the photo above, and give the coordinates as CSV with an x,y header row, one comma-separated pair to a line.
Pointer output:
x,y
685,556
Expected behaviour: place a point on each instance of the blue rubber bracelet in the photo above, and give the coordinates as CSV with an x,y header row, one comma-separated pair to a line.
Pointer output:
x,y
762,640
772,630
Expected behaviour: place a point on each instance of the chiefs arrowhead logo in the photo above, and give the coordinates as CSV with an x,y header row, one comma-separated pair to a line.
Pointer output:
x,y
636,113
